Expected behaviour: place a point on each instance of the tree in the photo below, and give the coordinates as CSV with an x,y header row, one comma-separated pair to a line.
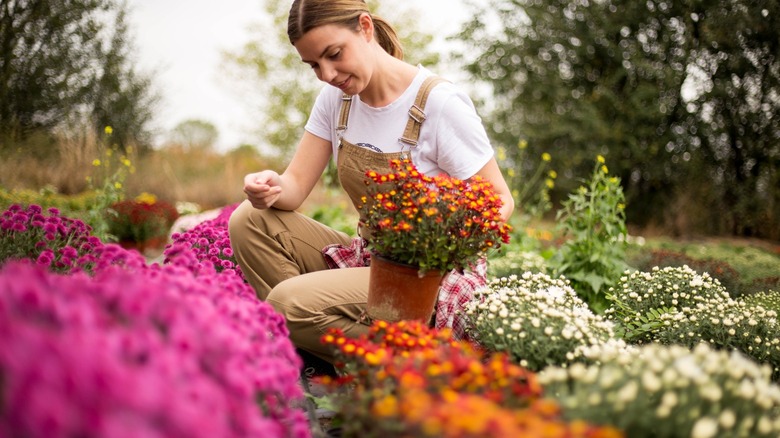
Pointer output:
x,y
60,61
284,89
122,97
682,95
195,134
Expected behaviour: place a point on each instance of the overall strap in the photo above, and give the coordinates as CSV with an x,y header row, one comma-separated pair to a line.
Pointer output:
x,y
346,104
416,112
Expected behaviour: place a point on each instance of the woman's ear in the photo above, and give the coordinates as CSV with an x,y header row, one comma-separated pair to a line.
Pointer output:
x,y
366,24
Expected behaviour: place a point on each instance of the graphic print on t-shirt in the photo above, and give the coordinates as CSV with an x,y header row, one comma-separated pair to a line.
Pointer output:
x,y
370,146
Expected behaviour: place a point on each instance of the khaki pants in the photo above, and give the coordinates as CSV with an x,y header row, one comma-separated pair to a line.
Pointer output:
x,y
280,254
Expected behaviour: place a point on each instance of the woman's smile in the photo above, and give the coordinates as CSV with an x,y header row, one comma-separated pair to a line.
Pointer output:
x,y
343,84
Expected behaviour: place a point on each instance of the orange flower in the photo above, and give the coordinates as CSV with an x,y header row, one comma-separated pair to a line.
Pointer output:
x,y
404,197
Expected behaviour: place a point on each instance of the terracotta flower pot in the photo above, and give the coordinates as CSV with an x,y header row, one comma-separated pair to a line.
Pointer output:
x,y
397,292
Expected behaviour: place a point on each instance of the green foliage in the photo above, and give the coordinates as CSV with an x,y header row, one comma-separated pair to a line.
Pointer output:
x,y
286,88
682,94
728,277
593,220
751,259
69,205
108,184
335,217
63,63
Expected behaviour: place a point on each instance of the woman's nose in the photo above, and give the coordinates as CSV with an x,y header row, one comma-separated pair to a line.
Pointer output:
x,y
327,73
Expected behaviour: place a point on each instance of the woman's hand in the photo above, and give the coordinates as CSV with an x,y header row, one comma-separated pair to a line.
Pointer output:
x,y
263,189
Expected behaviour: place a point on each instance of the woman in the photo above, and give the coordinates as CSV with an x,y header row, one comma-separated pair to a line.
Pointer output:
x,y
371,111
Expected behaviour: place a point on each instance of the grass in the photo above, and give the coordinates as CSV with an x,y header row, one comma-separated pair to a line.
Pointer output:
x,y
753,259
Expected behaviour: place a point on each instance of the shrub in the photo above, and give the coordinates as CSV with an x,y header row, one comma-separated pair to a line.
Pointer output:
x,y
679,306
59,243
725,273
670,391
155,352
769,299
537,320
640,298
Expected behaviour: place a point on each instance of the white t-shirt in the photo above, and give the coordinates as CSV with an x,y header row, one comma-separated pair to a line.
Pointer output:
x,y
452,138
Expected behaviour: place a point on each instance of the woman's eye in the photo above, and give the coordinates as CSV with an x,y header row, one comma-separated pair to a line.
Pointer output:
x,y
335,56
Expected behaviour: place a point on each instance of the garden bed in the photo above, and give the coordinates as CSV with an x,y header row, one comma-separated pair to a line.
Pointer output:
x,y
675,353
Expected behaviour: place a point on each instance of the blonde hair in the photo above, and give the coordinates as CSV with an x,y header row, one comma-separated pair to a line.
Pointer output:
x,y
305,15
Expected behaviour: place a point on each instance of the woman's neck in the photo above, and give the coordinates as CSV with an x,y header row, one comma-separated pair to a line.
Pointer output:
x,y
390,78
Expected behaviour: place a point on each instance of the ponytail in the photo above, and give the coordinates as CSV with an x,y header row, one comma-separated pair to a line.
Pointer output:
x,y
308,14
387,37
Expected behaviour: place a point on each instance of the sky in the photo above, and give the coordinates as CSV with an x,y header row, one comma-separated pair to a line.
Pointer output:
x,y
181,43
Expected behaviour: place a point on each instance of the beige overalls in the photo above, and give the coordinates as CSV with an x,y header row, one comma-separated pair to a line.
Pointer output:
x,y
276,247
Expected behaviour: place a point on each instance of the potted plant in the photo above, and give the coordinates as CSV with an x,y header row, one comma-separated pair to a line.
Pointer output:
x,y
423,227
142,222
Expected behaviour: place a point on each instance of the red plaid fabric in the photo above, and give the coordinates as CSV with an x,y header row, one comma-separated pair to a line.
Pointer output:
x,y
457,288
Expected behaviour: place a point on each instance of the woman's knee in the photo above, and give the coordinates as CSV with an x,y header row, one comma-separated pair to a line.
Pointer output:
x,y
286,300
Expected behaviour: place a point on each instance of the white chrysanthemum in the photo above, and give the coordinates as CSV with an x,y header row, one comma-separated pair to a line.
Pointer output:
x,y
705,427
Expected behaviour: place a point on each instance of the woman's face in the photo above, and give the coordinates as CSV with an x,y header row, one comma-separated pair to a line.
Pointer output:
x,y
338,56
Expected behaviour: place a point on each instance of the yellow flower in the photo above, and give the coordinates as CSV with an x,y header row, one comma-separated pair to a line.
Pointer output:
x,y
501,154
552,174
96,162
108,130
118,185
550,183
126,162
621,206
546,157
522,144
510,172
373,358
604,169
600,159
146,198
